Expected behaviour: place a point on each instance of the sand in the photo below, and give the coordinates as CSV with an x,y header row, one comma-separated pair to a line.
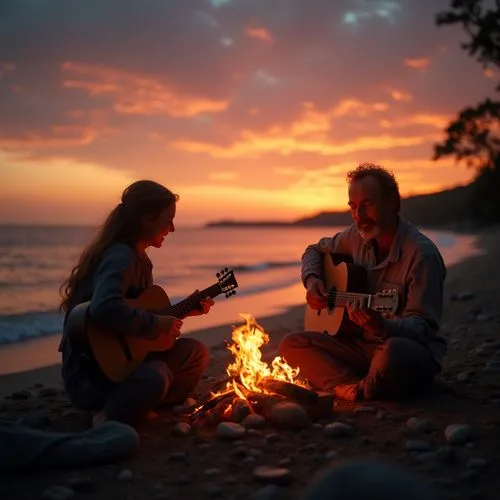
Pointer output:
x,y
467,392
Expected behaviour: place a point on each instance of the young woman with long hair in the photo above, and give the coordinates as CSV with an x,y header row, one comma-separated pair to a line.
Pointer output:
x,y
111,269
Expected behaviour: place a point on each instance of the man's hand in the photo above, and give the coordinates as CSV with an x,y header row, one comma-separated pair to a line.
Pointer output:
x,y
316,295
170,328
367,318
205,305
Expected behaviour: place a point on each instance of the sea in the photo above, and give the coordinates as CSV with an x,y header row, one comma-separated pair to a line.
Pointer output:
x,y
35,260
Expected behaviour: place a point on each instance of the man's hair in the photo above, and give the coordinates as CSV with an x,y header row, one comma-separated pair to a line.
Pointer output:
x,y
388,183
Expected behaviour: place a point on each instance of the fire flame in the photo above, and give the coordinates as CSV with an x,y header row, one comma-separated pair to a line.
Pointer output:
x,y
248,366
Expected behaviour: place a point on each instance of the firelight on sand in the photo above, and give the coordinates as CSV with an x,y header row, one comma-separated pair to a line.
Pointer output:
x,y
248,368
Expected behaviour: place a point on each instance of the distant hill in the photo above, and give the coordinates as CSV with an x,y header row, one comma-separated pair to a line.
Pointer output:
x,y
450,208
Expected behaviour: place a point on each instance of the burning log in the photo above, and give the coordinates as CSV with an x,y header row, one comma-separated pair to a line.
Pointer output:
x,y
292,391
211,404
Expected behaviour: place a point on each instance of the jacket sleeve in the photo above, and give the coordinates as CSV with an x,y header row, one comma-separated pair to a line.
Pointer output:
x,y
312,258
108,307
421,316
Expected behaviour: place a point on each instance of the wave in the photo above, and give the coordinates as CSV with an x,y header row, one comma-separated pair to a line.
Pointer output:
x,y
255,267
29,325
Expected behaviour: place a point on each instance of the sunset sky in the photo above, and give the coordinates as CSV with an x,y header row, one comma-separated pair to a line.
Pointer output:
x,y
249,109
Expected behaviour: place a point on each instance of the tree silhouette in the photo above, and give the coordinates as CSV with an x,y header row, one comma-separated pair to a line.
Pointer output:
x,y
474,136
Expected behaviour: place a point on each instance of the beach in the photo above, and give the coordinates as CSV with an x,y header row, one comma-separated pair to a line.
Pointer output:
x,y
466,392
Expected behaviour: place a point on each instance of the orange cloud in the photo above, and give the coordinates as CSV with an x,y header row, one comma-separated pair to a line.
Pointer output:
x,y
260,34
308,133
62,136
253,145
137,94
437,121
6,67
400,95
420,63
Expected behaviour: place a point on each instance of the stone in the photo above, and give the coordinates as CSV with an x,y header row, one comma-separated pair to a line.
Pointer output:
x,y
364,479
366,409
463,377
21,395
462,296
338,429
273,437
178,456
125,475
58,492
80,483
416,445
212,472
274,475
214,490
332,455
253,421
230,431
181,429
240,410
476,463
289,415
447,455
420,425
48,392
269,492
458,433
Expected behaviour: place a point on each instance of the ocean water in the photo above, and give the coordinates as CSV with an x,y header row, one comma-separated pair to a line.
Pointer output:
x,y
34,261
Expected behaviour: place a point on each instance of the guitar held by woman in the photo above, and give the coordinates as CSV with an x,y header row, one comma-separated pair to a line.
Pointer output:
x,y
112,271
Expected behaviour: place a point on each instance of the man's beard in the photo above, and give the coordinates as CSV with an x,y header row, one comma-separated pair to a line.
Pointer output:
x,y
369,231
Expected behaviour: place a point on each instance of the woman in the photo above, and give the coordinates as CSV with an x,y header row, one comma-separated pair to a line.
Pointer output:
x,y
115,267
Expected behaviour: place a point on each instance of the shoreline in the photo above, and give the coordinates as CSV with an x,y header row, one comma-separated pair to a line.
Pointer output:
x,y
284,315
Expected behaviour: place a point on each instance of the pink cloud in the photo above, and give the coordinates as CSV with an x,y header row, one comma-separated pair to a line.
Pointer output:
x,y
418,63
136,93
259,33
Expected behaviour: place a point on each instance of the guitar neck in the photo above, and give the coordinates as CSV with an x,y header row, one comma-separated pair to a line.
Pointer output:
x,y
183,307
343,298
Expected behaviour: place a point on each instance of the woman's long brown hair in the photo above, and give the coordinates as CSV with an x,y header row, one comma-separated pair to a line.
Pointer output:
x,y
123,225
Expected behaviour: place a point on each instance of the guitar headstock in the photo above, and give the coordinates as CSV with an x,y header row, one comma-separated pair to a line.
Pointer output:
x,y
227,281
386,301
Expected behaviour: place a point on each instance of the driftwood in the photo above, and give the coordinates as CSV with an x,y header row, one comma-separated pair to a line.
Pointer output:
x,y
210,404
291,391
262,404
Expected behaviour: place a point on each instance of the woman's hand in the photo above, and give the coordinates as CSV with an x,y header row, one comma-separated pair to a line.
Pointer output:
x,y
205,305
316,295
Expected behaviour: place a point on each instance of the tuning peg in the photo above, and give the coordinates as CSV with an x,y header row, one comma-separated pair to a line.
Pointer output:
x,y
218,275
233,292
226,269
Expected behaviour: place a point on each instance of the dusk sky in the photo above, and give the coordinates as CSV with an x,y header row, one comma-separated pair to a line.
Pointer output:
x,y
249,109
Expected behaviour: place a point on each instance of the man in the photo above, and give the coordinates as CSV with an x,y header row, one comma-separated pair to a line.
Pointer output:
x,y
395,356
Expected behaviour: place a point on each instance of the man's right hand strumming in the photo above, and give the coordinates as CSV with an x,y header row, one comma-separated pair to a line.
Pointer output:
x,y
316,295
169,326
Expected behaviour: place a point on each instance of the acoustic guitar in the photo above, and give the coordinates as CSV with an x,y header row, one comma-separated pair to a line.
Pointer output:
x,y
345,281
117,355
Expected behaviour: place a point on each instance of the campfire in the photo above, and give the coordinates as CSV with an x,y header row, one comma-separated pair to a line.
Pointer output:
x,y
253,385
